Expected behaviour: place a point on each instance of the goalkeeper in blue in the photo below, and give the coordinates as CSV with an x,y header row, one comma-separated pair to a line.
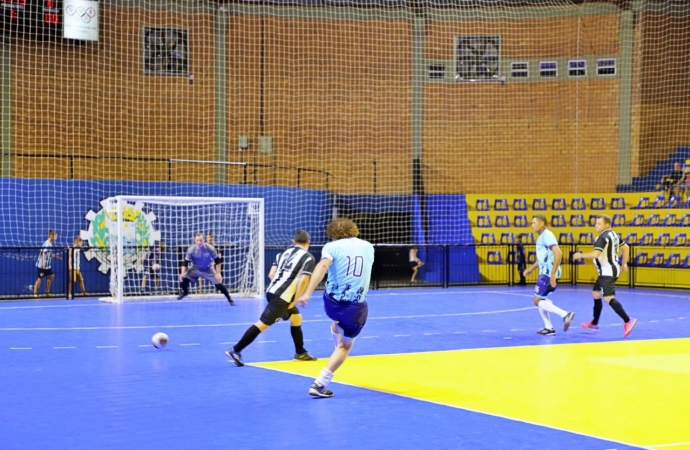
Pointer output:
x,y
348,261
202,261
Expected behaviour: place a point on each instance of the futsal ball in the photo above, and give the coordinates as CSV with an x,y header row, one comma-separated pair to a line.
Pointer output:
x,y
156,267
159,340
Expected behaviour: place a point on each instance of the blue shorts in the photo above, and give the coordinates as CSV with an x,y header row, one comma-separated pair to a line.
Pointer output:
x,y
543,288
351,316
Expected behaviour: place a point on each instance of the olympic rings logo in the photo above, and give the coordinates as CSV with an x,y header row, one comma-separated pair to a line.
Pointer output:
x,y
86,14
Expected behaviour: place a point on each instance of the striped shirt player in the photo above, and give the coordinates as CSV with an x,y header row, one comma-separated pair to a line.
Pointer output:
x,y
75,275
290,274
348,261
201,261
605,256
43,264
549,257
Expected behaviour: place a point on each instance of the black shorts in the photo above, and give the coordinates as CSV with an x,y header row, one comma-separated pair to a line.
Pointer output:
x,y
413,264
45,273
276,309
606,284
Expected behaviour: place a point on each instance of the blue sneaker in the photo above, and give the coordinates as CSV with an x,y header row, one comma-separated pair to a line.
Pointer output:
x,y
319,391
236,357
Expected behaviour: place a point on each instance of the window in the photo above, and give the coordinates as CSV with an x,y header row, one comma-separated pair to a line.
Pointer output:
x,y
165,51
519,70
437,71
577,68
477,58
548,69
606,66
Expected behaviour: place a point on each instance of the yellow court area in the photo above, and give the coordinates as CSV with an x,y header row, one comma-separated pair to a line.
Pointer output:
x,y
635,392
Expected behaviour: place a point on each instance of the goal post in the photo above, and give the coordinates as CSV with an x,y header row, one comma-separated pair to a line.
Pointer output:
x,y
148,236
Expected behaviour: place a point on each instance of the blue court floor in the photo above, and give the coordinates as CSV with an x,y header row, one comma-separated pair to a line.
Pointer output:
x,y
83,375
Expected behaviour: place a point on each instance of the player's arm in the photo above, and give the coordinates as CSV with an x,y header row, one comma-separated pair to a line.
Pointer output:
x,y
625,250
272,272
219,274
557,258
319,272
531,268
302,284
183,268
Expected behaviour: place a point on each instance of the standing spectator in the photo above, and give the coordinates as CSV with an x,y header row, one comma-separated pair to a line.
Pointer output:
x,y
74,267
45,269
152,267
415,263
672,182
520,260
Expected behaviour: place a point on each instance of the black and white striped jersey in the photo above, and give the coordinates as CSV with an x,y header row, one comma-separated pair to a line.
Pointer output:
x,y
609,243
292,263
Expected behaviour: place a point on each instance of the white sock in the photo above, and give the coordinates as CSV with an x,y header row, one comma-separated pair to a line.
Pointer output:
x,y
324,377
547,305
545,317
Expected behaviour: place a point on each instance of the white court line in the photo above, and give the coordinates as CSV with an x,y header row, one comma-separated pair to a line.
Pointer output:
x,y
653,321
369,337
145,345
187,345
401,335
62,348
489,331
106,346
674,444
227,343
431,334
21,348
460,332
266,342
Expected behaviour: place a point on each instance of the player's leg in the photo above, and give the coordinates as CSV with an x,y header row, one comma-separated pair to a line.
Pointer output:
x,y
609,288
70,283
295,318
541,299
81,282
189,276
598,306
38,282
223,290
144,279
275,309
49,284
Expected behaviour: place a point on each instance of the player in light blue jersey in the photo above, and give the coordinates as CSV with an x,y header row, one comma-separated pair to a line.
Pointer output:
x,y
348,261
549,257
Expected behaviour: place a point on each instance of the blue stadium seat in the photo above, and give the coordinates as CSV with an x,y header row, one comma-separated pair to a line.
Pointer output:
x,y
659,202
641,259
520,204
642,203
674,201
520,221
483,221
578,204
597,203
531,257
686,262
502,222
528,238
482,204
593,219
487,238
577,220
680,239
646,239
673,260
558,221
686,205
618,203
586,238
631,239
566,238
501,204
653,220
558,204
507,238
669,220
494,257
657,259
684,221
663,239
539,204
637,220
618,220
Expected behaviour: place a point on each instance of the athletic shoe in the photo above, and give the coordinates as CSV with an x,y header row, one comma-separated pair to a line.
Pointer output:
x,y
566,320
590,326
547,332
181,295
236,357
319,391
231,301
627,327
304,357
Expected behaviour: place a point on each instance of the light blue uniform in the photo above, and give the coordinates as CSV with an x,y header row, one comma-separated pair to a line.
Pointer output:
x,y
350,273
544,254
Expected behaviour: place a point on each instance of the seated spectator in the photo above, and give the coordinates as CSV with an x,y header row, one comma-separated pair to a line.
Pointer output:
x,y
672,182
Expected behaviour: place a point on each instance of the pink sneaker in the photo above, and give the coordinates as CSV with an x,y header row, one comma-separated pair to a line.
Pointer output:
x,y
627,327
590,326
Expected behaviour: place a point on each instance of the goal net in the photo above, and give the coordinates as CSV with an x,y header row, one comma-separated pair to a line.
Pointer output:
x,y
148,238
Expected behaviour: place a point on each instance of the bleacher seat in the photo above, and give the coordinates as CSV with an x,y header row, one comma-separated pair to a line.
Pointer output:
x,y
663,239
597,203
566,238
659,202
558,221
558,204
674,201
680,239
577,220
531,257
637,220
494,257
593,219
686,205
482,204
641,259
631,239
653,220
642,203
618,220
646,239
483,221
669,220
578,204
585,238
520,221
539,204
501,204
488,238
618,203
684,221
507,238
528,238
502,222
520,204
686,262
657,259
673,260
